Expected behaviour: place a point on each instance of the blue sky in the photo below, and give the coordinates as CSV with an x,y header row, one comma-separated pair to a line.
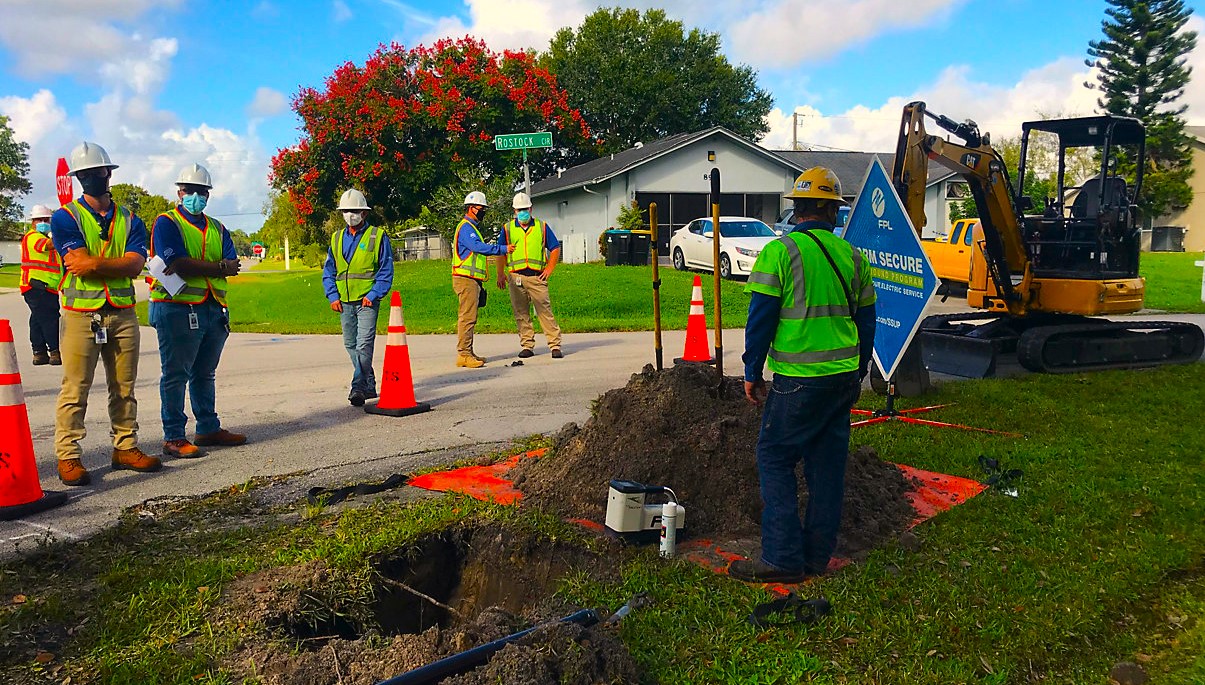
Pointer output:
x,y
162,83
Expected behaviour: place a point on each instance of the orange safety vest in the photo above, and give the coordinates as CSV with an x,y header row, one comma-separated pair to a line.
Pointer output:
x,y
40,262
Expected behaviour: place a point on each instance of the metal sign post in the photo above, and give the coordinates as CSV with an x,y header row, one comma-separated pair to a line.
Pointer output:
x,y
523,141
904,284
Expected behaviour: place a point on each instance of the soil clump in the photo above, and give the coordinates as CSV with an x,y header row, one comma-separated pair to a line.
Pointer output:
x,y
688,429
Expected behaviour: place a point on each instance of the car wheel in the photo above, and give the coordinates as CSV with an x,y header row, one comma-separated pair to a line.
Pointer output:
x,y
725,267
679,260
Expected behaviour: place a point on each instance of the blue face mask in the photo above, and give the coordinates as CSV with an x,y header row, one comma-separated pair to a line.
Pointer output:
x,y
195,203
42,227
523,216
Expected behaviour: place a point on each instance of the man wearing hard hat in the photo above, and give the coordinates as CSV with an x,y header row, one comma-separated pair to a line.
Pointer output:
x,y
103,247
190,316
525,273
41,273
469,270
357,275
812,311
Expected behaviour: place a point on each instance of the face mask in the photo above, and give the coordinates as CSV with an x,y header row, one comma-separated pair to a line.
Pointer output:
x,y
42,227
94,185
352,218
194,204
523,216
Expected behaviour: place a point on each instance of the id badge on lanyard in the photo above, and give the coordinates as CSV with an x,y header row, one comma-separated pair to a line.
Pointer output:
x,y
100,332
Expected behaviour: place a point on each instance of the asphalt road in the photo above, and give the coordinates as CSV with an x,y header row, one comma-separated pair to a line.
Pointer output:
x,y
288,393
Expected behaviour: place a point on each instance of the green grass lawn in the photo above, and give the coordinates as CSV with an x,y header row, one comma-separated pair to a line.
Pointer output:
x,y
10,276
1173,282
1100,559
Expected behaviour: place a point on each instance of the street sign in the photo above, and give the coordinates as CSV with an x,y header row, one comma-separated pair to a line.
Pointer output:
x,y
522,141
62,182
904,281
257,249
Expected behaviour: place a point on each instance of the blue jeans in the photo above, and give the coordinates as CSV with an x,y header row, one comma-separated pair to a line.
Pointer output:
x,y
189,357
359,337
805,418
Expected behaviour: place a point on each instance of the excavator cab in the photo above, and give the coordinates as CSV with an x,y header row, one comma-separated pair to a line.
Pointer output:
x,y
1088,229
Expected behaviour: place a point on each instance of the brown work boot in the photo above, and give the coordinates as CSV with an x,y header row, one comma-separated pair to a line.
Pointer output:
x,y
476,356
135,459
469,361
40,359
222,438
72,472
182,449
56,359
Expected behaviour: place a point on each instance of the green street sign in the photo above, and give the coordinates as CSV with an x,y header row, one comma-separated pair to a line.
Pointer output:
x,y
522,141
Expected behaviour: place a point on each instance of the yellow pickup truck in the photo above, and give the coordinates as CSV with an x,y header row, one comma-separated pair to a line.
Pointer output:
x,y
951,254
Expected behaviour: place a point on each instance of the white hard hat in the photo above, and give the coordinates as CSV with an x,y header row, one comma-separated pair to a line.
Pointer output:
x,y
352,200
521,201
476,198
194,175
39,212
89,156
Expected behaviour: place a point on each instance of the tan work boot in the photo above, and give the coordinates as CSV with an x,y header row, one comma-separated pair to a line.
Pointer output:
x,y
222,438
469,361
56,359
135,460
476,356
182,449
72,472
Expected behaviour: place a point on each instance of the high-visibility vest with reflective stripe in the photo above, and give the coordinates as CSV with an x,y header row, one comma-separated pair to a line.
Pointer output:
x,y
816,333
355,278
203,245
40,262
90,294
529,246
472,266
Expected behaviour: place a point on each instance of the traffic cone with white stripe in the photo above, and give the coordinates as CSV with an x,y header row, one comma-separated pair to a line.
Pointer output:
x,y
20,492
397,385
697,349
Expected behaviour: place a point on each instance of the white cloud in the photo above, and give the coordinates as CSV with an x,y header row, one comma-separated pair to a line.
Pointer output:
x,y
268,102
511,24
1194,94
822,28
341,11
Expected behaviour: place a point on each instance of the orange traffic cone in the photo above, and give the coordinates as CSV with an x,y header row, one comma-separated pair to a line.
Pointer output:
x,y
20,492
397,385
697,349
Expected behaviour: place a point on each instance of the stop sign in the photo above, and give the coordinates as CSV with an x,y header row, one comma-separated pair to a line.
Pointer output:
x,y
62,182
257,249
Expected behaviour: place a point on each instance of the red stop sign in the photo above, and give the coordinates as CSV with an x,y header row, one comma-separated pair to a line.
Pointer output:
x,y
62,182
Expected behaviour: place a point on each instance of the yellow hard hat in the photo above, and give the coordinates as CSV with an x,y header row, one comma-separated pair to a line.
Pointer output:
x,y
817,183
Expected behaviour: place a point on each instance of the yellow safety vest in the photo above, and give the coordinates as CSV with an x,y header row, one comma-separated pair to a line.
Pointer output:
x,y
475,264
354,279
204,245
40,262
90,294
529,246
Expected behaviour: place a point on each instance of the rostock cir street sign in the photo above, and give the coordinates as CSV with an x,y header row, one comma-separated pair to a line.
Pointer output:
x,y
522,141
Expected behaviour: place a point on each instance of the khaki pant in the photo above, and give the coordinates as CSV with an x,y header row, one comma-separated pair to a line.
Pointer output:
x,y
467,291
526,291
77,343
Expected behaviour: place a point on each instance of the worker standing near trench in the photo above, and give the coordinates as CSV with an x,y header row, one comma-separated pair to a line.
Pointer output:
x,y
813,313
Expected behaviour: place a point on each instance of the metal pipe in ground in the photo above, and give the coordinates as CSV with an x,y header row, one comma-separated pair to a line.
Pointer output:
x,y
470,659
655,255
715,269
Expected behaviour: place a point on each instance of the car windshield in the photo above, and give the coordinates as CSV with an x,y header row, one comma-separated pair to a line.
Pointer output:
x,y
745,229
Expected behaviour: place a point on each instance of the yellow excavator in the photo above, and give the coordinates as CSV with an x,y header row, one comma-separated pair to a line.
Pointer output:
x,y
1043,279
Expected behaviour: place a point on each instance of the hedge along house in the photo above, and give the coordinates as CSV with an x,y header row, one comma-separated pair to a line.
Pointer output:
x,y
583,201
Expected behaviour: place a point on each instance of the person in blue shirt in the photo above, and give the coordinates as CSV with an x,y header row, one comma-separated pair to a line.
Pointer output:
x,y
357,275
469,270
192,323
103,247
525,273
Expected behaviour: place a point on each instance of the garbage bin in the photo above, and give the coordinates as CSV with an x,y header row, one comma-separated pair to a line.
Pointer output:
x,y
641,244
619,247
1167,239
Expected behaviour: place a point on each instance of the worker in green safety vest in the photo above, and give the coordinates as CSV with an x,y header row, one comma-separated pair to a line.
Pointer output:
x,y
812,313
357,275
525,273
469,270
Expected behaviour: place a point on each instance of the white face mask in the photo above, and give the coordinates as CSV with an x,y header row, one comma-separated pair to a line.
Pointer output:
x,y
352,218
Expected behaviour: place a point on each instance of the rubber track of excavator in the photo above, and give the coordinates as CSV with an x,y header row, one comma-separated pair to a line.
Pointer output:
x,y
1105,344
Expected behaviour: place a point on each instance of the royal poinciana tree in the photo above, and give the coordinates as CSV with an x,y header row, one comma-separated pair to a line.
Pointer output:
x,y
409,121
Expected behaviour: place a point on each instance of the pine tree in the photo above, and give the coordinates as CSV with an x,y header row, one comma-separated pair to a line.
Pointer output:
x,y
1143,72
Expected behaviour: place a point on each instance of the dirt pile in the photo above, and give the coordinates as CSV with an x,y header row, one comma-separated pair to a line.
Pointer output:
x,y
683,428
